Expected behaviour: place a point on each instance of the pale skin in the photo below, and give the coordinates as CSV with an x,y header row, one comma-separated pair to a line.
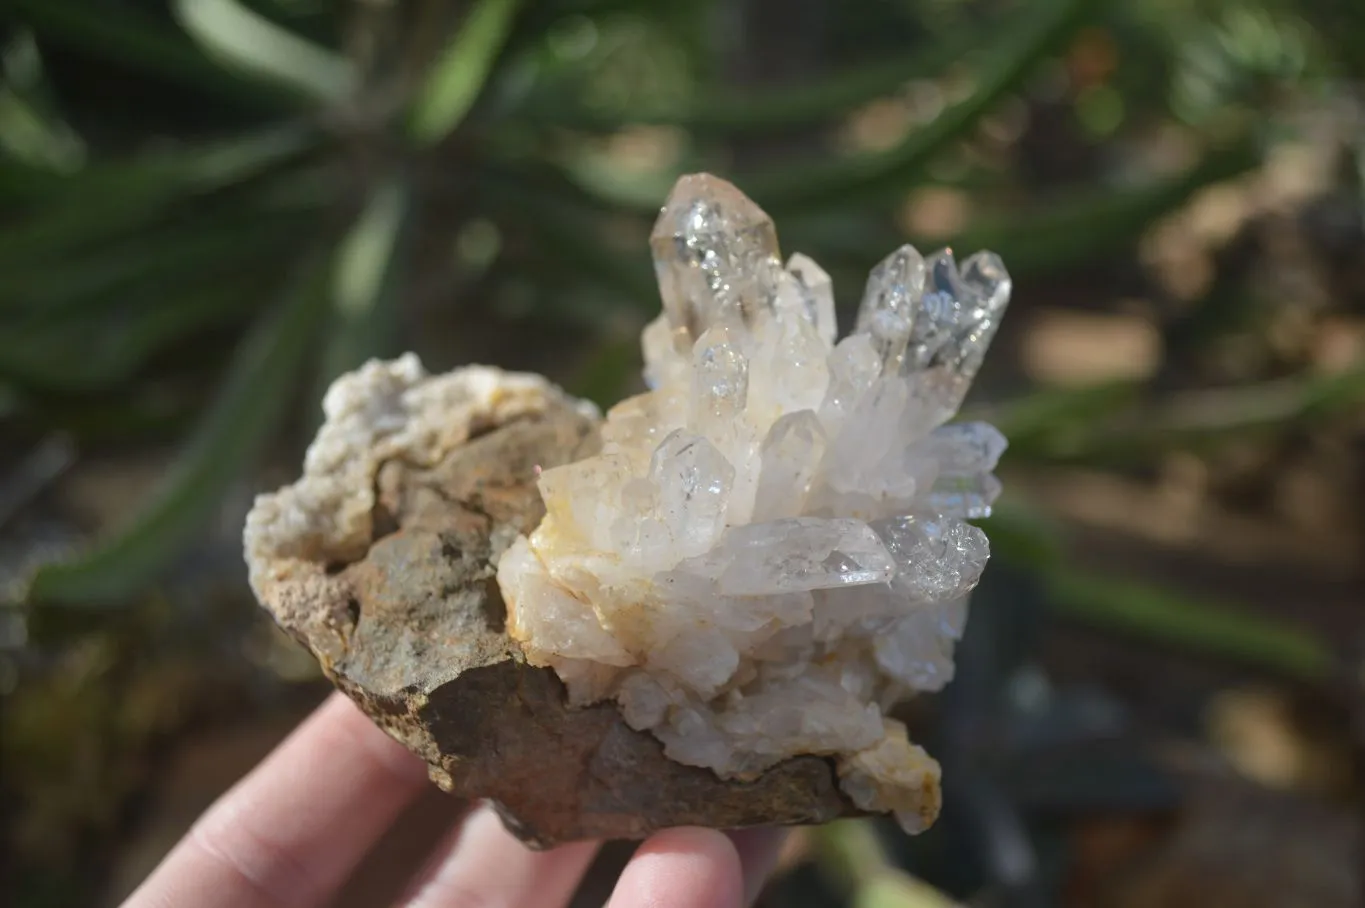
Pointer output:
x,y
290,833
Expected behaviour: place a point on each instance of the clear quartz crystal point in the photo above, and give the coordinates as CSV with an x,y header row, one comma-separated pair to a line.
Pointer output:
x,y
814,291
971,497
715,256
966,448
796,554
917,649
939,559
789,457
958,316
887,313
853,367
720,383
693,480
662,346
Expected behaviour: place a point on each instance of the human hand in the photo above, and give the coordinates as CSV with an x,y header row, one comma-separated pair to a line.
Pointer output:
x,y
290,833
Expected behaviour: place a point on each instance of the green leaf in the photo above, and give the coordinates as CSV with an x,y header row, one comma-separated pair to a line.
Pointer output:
x,y
849,853
1110,425
1087,225
156,263
1164,616
459,74
1341,27
21,180
766,110
248,42
93,324
203,166
1207,627
366,281
612,367
569,233
246,412
137,40
37,136
111,200
73,357
895,889
1051,419
1022,536
1010,56
1068,228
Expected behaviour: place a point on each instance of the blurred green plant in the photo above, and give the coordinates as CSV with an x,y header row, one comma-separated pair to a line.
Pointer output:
x,y
849,853
343,149
351,114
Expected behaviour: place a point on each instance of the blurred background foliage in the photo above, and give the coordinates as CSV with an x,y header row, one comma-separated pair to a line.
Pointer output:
x,y
211,208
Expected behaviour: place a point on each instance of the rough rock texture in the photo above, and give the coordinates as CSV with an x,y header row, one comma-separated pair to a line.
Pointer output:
x,y
381,561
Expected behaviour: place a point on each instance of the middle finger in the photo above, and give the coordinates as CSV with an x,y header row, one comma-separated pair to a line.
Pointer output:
x,y
481,863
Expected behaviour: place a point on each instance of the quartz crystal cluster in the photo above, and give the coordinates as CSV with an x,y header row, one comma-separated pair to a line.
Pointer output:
x,y
772,547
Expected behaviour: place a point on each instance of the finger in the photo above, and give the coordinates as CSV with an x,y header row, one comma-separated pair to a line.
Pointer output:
x,y
481,863
682,868
758,849
293,829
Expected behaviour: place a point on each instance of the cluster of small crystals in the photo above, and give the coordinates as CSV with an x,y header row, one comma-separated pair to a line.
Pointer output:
x,y
772,547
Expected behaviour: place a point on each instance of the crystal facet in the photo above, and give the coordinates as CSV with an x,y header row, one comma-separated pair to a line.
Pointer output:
x,y
889,307
814,291
772,546
715,254
789,456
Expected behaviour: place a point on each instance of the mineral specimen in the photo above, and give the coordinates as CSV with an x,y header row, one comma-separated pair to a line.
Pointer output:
x,y
380,561
771,548
699,611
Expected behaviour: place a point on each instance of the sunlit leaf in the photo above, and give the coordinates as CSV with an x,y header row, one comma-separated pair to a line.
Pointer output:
x,y
849,852
899,890
247,41
366,279
245,414
36,136
458,75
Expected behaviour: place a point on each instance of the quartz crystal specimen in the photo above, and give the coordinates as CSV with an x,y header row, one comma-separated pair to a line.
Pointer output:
x,y
771,548
696,612
380,561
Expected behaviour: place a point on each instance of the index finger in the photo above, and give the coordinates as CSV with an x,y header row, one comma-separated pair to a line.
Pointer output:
x,y
290,833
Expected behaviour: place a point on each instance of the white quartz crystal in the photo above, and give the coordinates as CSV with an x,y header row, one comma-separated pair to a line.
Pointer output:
x,y
772,547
